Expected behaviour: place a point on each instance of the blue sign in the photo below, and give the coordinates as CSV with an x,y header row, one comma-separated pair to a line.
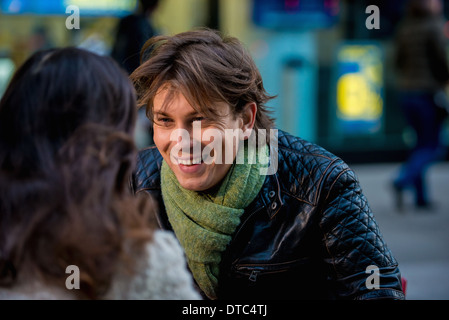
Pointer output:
x,y
58,7
295,14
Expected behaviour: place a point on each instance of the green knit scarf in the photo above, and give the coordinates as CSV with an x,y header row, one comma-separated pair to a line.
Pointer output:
x,y
204,222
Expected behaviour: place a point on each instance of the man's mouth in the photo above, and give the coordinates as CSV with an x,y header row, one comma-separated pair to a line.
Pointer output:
x,y
187,159
188,162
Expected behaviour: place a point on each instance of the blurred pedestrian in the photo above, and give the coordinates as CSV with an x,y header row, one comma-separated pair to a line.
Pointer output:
x,y
280,219
132,32
423,74
69,226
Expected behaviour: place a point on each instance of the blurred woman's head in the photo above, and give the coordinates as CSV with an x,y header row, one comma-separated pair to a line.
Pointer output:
x,y
53,94
66,153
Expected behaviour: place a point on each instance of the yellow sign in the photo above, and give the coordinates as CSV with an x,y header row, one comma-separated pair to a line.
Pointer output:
x,y
359,87
103,4
356,99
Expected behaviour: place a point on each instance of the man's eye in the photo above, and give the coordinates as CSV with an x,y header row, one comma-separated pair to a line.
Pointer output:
x,y
163,120
198,119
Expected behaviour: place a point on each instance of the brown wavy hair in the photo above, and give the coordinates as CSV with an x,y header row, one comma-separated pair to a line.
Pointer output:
x,y
206,67
66,155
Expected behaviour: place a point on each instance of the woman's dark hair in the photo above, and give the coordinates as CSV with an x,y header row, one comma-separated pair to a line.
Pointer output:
x,y
66,153
207,68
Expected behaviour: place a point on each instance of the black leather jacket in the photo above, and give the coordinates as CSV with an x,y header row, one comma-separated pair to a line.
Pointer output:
x,y
309,234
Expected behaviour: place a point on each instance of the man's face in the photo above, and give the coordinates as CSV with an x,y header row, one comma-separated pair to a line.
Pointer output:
x,y
185,151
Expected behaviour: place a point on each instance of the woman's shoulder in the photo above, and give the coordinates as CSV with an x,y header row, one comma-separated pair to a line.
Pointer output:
x,y
165,249
160,273
31,287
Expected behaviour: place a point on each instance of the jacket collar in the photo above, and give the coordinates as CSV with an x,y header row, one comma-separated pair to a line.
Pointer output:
x,y
269,197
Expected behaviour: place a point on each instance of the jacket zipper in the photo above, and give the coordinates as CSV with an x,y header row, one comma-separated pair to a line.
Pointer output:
x,y
253,275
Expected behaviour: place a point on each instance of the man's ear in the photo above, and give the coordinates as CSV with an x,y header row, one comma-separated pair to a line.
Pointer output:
x,y
248,117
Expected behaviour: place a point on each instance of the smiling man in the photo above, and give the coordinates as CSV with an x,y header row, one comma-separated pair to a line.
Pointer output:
x,y
304,231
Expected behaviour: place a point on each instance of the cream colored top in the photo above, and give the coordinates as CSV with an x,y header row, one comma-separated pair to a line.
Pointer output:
x,y
162,275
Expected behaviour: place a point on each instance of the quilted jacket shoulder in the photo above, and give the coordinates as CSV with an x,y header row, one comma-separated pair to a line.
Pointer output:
x,y
147,173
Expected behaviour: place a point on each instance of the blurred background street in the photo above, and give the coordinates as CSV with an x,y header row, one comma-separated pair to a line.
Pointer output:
x,y
419,239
